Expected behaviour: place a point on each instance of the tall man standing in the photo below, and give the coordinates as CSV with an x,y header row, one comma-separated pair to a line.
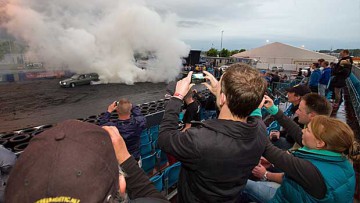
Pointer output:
x,y
218,156
341,72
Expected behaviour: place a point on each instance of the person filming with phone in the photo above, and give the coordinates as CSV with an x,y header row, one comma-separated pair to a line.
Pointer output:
x,y
130,123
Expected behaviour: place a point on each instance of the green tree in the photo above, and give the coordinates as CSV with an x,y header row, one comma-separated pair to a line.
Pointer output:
x,y
4,49
212,52
242,50
234,52
224,53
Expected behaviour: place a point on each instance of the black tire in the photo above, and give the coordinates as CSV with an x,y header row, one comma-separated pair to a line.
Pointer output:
x,y
72,85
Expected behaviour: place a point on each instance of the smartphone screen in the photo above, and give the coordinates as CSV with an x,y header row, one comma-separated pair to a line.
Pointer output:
x,y
198,78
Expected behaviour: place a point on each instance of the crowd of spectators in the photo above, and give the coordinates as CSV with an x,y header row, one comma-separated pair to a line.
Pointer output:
x,y
221,158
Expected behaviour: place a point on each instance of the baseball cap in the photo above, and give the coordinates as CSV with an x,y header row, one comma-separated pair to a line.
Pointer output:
x,y
71,162
300,90
263,71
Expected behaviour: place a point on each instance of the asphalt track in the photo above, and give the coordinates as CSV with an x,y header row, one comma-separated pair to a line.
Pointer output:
x,y
34,103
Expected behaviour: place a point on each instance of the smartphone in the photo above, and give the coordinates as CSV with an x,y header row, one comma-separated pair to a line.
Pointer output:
x,y
198,78
116,103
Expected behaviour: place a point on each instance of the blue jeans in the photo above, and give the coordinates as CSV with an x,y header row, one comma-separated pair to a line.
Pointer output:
x,y
260,191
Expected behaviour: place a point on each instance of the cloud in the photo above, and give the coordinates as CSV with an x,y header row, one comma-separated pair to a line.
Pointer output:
x,y
277,20
100,36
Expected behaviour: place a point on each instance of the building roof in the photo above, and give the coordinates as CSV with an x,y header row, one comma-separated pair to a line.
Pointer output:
x,y
280,50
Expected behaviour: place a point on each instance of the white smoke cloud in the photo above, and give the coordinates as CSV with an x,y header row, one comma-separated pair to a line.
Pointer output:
x,y
99,36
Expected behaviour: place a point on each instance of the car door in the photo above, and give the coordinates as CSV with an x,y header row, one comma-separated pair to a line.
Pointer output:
x,y
81,80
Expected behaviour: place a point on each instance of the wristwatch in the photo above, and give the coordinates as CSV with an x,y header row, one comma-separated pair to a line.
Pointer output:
x,y
265,176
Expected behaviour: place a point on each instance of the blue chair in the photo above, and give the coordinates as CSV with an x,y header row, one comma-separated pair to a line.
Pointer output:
x,y
277,101
161,157
157,181
288,112
148,163
154,144
144,139
153,129
171,176
146,149
145,132
273,126
154,135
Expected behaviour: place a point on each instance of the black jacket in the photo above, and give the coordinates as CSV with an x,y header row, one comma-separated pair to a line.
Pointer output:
x,y
341,72
217,157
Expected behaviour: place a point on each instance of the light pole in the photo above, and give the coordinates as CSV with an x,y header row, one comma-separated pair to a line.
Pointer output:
x,y
222,32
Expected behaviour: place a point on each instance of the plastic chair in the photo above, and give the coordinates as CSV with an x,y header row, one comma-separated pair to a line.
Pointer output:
x,y
153,129
288,112
154,144
146,149
161,157
158,182
154,135
145,132
144,139
273,126
148,163
171,176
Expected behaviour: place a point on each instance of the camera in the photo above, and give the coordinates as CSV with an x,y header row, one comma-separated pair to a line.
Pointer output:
x,y
198,78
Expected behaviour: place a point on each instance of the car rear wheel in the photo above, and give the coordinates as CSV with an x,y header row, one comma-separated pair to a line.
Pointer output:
x,y
72,85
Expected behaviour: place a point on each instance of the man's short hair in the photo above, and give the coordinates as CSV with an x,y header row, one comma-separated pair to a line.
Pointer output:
x,y
244,89
124,107
74,161
345,51
318,104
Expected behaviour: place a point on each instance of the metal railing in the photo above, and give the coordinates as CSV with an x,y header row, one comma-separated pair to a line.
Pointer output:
x,y
353,83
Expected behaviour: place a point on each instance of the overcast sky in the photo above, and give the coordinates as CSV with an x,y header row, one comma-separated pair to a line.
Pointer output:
x,y
316,24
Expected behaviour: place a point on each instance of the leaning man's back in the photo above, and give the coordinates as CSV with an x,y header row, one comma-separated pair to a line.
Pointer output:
x,y
218,156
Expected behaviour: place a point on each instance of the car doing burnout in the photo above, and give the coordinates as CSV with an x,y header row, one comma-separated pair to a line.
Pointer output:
x,y
79,79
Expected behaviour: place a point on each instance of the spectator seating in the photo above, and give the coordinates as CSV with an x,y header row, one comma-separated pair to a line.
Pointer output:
x,y
157,180
154,129
144,139
273,126
154,135
161,157
288,112
171,176
146,149
148,163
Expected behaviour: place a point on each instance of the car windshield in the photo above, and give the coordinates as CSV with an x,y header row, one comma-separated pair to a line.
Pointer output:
x,y
76,76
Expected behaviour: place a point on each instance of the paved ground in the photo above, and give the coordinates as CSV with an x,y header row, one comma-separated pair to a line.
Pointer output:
x,y
40,102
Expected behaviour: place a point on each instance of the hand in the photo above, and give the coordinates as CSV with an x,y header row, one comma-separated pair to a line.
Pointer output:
x,y
183,86
274,134
118,142
259,171
264,162
214,84
268,102
262,103
112,107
